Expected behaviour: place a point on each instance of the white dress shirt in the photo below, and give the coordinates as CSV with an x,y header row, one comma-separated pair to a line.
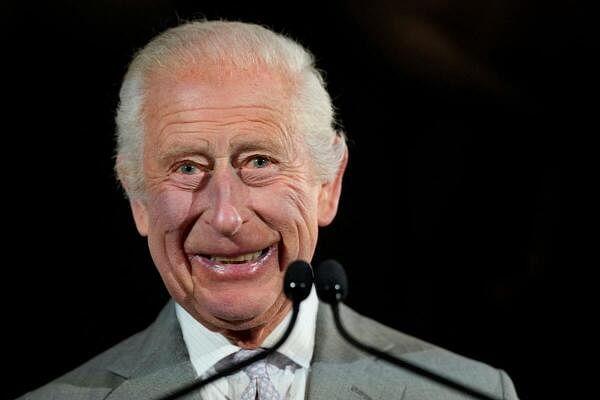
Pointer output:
x,y
206,348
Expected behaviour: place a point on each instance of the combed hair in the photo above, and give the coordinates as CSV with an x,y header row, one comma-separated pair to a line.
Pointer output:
x,y
243,46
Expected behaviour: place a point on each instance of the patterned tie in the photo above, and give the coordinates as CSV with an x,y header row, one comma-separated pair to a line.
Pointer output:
x,y
260,386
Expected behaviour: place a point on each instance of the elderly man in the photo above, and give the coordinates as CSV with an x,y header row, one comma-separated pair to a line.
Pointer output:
x,y
229,158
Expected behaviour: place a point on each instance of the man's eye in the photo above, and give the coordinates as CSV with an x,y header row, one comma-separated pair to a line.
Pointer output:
x,y
260,162
187,169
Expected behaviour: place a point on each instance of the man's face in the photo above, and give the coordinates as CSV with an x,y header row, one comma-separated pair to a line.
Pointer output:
x,y
232,197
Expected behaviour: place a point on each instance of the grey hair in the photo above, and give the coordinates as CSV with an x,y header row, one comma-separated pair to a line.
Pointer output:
x,y
240,45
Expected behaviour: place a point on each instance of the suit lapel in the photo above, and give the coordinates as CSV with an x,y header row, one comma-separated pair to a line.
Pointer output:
x,y
339,371
155,384
159,364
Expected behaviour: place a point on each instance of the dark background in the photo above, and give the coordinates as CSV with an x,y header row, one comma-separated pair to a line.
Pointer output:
x,y
460,220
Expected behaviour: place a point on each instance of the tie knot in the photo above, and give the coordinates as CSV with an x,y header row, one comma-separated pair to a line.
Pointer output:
x,y
244,354
255,370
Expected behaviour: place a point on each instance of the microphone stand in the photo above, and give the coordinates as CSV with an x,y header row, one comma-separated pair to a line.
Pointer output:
x,y
403,363
200,383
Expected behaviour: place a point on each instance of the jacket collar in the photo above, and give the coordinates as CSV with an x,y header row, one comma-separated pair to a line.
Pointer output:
x,y
156,362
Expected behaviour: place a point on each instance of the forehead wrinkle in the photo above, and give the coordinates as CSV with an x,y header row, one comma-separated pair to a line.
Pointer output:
x,y
191,117
206,108
271,129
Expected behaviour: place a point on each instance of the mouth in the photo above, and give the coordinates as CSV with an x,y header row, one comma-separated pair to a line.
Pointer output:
x,y
236,265
239,259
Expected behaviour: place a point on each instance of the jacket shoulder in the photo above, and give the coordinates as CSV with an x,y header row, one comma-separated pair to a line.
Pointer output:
x,y
93,379
96,378
444,362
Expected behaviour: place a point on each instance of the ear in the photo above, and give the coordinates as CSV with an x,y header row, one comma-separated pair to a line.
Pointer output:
x,y
140,216
329,195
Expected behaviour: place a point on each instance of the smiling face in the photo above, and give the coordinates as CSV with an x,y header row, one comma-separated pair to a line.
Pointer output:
x,y
231,198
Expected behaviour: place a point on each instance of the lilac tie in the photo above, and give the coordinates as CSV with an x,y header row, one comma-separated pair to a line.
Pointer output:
x,y
260,386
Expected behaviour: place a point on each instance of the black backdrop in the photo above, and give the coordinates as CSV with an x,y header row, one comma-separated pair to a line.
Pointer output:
x,y
453,225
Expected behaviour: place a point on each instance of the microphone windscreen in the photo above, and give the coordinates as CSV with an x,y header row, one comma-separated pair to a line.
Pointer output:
x,y
298,280
331,282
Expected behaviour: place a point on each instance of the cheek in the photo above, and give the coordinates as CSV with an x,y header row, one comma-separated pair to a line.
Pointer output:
x,y
290,209
170,210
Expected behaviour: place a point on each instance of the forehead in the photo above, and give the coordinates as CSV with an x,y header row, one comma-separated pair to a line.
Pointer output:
x,y
198,104
219,92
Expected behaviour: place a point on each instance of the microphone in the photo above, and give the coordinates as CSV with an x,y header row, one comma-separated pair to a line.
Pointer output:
x,y
297,284
332,287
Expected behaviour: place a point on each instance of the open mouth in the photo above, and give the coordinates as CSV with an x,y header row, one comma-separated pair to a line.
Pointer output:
x,y
240,261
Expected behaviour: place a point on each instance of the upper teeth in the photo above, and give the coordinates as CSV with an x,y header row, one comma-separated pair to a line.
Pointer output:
x,y
241,258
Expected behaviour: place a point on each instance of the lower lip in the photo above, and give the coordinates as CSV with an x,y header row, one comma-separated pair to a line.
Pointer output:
x,y
234,271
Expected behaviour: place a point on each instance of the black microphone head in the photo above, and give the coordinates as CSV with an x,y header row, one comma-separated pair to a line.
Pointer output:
x,y
331,282
298,281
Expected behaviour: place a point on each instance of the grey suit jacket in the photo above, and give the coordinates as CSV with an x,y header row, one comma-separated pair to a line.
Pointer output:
x,y
155,360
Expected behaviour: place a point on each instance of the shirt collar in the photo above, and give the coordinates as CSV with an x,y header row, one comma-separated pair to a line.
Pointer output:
x,y
206,347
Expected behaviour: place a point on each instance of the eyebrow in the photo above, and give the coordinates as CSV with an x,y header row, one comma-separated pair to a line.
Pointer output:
x,y
244,143
258,145
238,144
179,149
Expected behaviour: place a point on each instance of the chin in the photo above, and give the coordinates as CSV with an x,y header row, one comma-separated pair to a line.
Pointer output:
x,y
235,312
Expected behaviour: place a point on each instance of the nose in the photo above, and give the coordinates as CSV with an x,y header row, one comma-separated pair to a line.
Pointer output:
x,y
226,200
227,220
